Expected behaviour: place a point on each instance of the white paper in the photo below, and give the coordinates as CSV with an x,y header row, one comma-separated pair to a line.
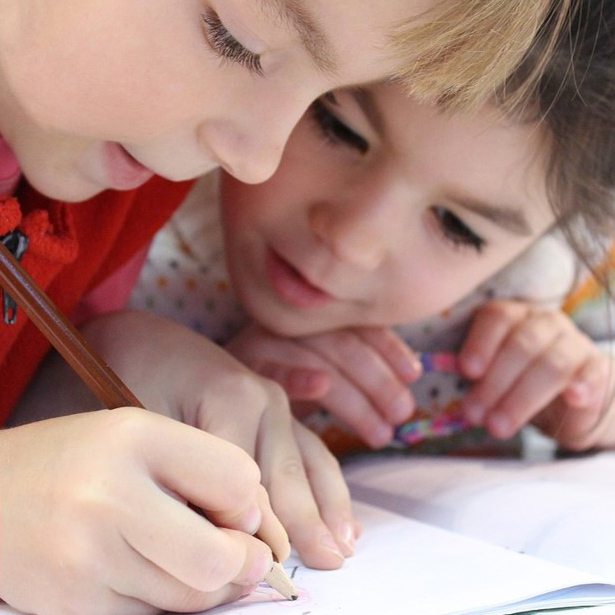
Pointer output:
x,y
404,566
494,514
561,511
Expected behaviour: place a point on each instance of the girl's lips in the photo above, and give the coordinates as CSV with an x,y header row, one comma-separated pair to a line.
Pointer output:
x,y
291,286
123,171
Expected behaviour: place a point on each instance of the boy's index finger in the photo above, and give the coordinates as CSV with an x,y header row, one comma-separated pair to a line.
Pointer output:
x,y
210,473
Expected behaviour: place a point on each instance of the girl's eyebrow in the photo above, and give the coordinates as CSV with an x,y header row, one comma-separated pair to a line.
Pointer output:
x,y
509,218
366,101
297,16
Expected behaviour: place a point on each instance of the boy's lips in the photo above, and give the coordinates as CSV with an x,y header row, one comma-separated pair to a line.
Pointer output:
x,y
123,171
291,285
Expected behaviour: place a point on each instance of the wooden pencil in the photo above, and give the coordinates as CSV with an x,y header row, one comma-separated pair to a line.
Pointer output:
x,y
87,362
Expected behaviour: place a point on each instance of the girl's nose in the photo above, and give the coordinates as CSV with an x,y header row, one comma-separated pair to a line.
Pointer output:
x,y
354,237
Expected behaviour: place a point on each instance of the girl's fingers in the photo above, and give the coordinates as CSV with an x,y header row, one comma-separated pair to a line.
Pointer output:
x,y
363,367
579,417
394,351
491,325
350,406
517,352
590,384
541,382
300,383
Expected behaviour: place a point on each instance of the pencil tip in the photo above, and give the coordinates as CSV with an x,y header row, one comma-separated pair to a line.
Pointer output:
x,y
294,597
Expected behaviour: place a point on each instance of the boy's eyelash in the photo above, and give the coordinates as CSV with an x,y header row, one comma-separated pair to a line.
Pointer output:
x,y
333,129
456,231
227,46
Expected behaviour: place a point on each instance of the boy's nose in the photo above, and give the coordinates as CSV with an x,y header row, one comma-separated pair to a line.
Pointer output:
x,y
250,156
250,140
353,238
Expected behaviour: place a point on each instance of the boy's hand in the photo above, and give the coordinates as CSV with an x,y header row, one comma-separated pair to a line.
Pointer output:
x,y
94,521
359,375
532,365
182,374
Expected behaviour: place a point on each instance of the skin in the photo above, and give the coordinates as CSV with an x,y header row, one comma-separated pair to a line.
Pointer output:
x,y
98,472
364,229
355,225
164,92
97,95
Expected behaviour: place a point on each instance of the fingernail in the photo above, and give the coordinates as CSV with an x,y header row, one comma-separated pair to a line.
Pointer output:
x,y
579,392
474,412
381,436
401,408
329,543
473,365
500,426
248,591
411,369
259,570
252,519
347,538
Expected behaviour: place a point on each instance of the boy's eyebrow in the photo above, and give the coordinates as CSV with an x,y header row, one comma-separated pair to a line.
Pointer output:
x,y
509,218
296,14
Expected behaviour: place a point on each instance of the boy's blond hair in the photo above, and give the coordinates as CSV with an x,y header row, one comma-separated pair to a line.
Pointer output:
x,y
460,52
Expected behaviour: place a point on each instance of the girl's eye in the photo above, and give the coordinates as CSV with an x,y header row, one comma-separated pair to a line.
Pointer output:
x,y
334,130
456,231
227,46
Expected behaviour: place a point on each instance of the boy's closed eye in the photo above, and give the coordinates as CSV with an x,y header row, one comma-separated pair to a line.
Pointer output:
x,y
225,45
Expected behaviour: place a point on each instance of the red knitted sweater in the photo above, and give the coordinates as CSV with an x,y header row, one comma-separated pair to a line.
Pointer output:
x,y
72,248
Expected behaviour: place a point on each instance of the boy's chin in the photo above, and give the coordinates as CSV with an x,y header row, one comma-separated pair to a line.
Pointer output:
x,y
62,188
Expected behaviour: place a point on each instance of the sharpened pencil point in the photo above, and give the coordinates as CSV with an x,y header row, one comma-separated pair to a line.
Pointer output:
x,y
280,581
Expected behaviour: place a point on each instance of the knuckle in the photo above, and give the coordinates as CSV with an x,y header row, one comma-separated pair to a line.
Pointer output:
x,y
291,467
346,344
329,462
507,310
558,364
524,343
127,425
249,390
219,571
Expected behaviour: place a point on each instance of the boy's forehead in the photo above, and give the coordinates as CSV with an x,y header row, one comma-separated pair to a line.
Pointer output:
x,y
348,41
301,20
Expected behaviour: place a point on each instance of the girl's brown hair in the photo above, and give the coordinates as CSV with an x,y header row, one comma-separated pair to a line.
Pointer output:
x,y
574,100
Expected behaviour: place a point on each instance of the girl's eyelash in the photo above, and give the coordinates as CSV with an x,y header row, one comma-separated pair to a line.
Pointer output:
x,y
227,46
333,129
456,231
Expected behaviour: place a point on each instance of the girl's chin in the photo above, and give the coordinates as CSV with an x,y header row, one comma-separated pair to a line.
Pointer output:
x,y
298,324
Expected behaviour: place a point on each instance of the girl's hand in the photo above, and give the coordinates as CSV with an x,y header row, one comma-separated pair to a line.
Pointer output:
x,y
94,517
180,373
532,365
359,375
